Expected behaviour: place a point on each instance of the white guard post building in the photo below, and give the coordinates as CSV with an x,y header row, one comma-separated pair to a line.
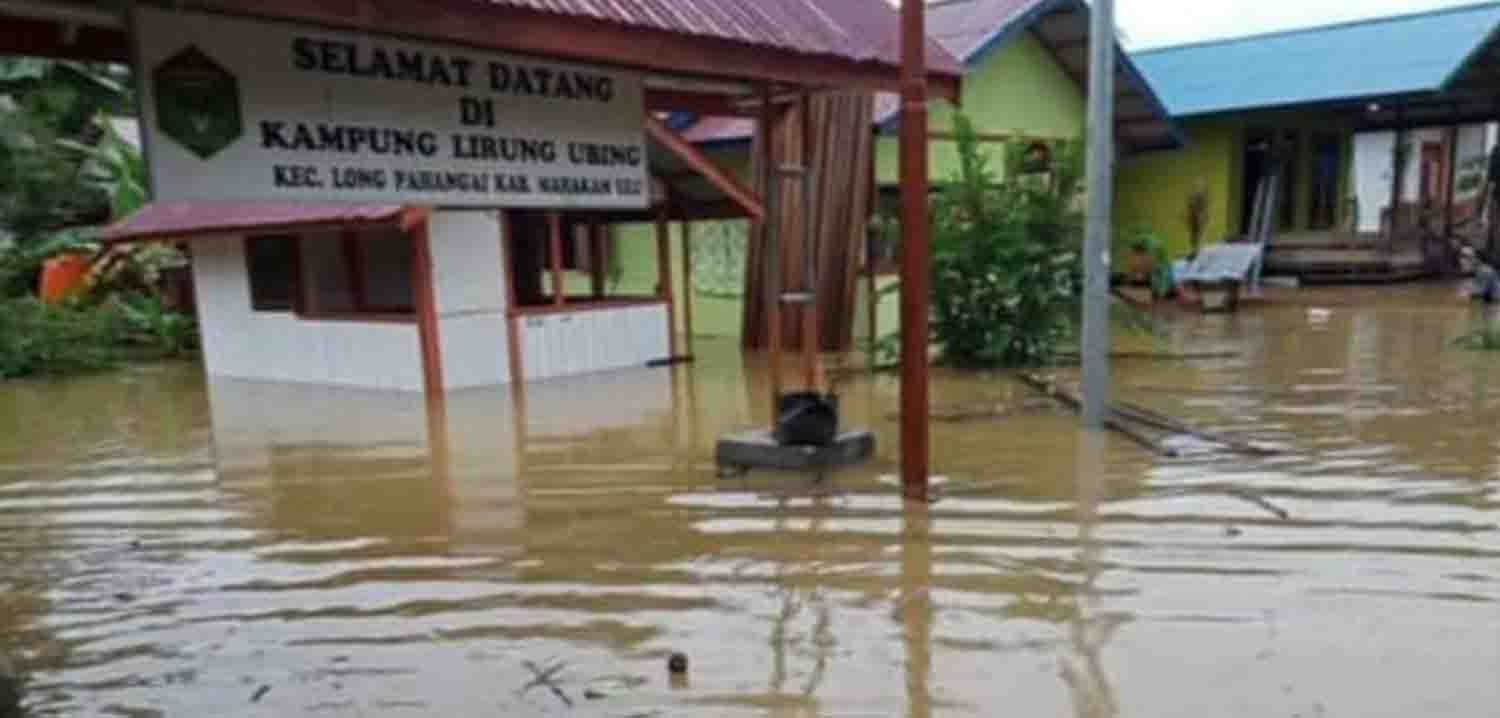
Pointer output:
x,y
392,199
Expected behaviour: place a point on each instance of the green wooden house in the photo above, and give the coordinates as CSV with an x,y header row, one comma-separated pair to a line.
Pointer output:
x,y
1026,79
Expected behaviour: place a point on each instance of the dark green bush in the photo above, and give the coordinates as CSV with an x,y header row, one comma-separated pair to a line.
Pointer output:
x,y
37,338
42,339
1006,271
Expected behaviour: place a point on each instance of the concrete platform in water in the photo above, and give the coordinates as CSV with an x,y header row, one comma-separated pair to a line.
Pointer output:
x,y
758,449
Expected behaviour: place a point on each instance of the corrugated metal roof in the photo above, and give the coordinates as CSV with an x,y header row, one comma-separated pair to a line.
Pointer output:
x,y
179,219
1348,62
859,30
965,27
970,29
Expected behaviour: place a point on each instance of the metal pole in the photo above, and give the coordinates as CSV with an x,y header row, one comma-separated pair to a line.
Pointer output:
x,y
914,259
1101,180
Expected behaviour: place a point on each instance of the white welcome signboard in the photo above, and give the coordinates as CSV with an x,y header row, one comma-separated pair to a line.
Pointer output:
x,y
248,110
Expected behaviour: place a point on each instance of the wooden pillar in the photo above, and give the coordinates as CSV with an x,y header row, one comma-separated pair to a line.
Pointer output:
x,y
597,261
1450,182
555,248
873,299
512,305
424,296
664,276
687,283
1399,161
770,252
914,256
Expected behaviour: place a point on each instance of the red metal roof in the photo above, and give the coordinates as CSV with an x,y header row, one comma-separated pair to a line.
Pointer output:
x,y
182,219
858,30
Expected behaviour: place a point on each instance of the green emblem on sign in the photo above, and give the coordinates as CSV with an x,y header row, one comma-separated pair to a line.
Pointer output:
x,y
197,102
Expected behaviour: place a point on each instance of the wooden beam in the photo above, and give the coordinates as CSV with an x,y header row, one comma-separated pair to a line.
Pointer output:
x,y
512,309
704,167
425,296
513,28
555,248
687,283
915,260
664,279
695,102
597,259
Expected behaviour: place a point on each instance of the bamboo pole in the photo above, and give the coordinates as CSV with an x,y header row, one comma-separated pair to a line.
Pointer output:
x,y
914,257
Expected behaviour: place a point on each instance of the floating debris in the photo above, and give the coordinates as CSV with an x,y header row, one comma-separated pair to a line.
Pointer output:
x,y
547,677
260,693
678,664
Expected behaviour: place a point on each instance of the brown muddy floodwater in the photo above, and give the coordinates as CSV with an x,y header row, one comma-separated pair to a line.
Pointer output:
x,y
168,549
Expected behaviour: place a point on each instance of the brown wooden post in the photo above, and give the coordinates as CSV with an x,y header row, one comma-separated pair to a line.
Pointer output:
x,y
353,268
597,262
1450,182
771,258
872,299
513,308
810,342
425,299
664,275
555,247
1400,159
687,282
914,258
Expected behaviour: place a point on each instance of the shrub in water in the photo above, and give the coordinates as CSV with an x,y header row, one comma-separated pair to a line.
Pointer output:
x,y
1006,279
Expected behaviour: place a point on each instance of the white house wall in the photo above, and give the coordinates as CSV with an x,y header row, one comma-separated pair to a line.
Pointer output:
x,y
278,346
561,345
1372,166
469,281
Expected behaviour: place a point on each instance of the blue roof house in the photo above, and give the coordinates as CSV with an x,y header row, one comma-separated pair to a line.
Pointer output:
x,y
1327,106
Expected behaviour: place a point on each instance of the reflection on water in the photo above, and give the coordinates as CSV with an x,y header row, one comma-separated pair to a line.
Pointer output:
x,y
294,551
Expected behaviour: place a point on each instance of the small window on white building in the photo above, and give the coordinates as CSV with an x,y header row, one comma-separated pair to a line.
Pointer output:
x,y
357,275
272,263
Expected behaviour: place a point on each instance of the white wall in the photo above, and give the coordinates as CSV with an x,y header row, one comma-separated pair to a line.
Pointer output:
x,y
1372,176
278,346
1372,166
469,280
561,345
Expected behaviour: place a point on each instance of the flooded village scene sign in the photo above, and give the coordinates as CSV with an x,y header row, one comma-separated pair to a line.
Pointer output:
x,y
247,110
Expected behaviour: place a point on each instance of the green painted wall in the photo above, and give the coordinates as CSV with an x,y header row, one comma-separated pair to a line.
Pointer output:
x,y
1017,89
1151,190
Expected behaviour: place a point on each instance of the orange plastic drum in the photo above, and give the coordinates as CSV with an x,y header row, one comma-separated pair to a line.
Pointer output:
x,y
62,276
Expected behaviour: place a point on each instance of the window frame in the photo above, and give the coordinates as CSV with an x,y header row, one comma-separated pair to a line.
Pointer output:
x,y
350,247
569,225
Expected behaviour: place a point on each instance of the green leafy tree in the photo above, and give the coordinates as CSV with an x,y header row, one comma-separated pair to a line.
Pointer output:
x,y
1006,280
48,110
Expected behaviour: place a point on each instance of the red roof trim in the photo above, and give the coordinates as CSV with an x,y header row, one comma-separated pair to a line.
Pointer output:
x,y
184,219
